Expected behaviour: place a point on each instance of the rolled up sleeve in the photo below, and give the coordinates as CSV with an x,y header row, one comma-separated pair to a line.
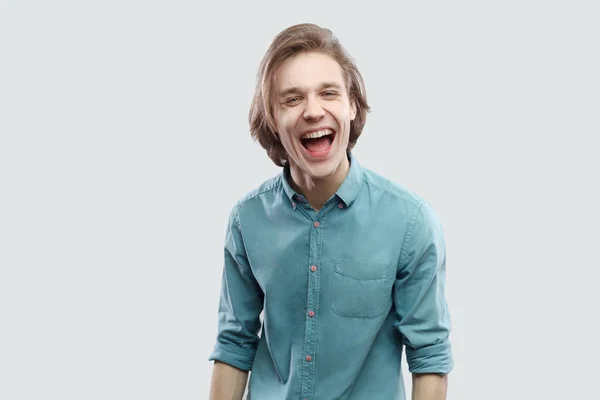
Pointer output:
x,y
419,295
240,304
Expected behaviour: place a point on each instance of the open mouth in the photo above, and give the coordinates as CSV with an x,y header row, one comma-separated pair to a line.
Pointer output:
x,y
319,141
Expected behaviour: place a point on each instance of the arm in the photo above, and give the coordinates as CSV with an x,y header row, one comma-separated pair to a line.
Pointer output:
x,y
429,387
228,383
423,319
240,306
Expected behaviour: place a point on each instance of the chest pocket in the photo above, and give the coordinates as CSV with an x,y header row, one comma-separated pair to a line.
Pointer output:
x,y
361,289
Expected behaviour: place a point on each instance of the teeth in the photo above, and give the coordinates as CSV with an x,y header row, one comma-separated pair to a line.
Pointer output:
x,y
317,134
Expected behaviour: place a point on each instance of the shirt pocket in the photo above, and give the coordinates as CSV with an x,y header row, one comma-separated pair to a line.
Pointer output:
x,y
360,289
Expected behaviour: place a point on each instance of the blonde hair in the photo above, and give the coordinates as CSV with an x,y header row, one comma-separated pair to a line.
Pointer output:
x,y
289,42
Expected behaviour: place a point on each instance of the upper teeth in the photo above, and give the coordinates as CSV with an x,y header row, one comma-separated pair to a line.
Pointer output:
x,y
317,134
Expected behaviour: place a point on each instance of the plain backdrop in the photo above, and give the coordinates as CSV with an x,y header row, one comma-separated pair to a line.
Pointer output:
x,y
124,143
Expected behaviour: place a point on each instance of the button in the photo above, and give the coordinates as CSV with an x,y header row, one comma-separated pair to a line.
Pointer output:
x,y
313,268
317,224
340,205
311,313
308,358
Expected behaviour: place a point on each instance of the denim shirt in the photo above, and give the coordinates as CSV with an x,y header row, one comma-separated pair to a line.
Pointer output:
x,y
320,305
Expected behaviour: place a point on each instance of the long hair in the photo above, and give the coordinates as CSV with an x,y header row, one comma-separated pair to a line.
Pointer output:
x,y
289,42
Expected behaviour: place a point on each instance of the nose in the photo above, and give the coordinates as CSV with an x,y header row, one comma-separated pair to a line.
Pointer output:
x,y
313,109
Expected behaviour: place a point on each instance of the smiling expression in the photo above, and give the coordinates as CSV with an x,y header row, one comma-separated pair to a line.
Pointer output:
x,y
313,113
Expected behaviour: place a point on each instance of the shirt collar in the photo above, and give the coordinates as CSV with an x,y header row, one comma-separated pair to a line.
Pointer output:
x,y
348,190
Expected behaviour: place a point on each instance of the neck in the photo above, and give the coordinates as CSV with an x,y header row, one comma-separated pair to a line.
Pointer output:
x,y
318,191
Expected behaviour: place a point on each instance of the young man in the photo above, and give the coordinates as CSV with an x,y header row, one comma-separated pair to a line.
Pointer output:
x,y
347,267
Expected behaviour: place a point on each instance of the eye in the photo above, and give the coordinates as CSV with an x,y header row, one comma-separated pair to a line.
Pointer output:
x,y
330,94
292,100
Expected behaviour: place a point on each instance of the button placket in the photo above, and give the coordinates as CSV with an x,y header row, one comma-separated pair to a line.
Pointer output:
x,y
312,305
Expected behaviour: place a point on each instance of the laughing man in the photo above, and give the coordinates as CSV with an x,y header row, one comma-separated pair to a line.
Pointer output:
x,y
346,267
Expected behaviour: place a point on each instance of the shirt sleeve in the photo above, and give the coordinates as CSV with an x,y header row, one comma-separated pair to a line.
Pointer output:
x,y
240,304
419,295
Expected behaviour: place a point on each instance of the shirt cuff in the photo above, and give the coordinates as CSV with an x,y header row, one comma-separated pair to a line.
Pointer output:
x,y
434,359
235,356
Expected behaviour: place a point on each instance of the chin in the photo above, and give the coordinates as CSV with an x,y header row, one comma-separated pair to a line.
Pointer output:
x,y
323,170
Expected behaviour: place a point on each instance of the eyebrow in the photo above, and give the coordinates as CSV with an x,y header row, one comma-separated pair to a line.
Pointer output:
x,y
295,89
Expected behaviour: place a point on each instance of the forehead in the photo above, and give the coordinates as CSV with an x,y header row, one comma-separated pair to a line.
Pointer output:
x,y
307,70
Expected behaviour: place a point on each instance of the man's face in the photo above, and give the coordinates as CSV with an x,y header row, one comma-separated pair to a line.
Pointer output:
x,y
312,112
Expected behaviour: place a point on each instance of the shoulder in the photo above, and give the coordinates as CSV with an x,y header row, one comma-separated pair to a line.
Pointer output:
x,y
271,187
391,190
412,207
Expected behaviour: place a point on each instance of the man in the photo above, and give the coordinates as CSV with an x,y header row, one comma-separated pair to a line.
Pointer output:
x,y
346,267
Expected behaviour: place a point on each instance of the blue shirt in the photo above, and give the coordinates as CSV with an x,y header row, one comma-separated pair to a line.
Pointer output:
x,y
341,291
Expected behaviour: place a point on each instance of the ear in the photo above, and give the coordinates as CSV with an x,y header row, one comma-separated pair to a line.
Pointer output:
x,y
352,110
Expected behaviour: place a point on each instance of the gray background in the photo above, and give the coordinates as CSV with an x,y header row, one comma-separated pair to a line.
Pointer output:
x,y
124,144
